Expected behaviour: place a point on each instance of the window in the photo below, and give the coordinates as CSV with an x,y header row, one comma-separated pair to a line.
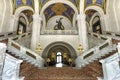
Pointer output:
x,y
59,57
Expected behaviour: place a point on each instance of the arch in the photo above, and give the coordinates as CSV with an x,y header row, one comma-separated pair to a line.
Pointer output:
x,y
56,1
20,9
17,14
69,48
100,13
23,22
23,15
92,18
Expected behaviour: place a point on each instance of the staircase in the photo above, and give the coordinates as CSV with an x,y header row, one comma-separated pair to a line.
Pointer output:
x,y
80,62
64,73
25,53
36,61
89,72
97,52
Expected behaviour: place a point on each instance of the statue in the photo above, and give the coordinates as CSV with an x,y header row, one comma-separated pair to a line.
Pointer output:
x,y
59,25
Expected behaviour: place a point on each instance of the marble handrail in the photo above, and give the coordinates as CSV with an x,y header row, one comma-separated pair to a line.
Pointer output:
x,y
4,36
20,36
95,51
114,35
25,51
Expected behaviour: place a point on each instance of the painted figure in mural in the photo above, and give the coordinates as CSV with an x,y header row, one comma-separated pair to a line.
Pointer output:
x,y
59,24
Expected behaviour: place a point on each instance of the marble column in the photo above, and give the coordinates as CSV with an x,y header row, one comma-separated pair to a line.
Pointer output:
x,y
35,31
79,29
11,68
2,54
82,31
36,26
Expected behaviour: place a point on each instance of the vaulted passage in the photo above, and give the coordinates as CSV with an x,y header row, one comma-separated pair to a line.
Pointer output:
x,y
59,54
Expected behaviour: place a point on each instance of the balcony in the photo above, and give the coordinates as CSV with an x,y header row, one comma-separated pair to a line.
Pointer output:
x,y
59,32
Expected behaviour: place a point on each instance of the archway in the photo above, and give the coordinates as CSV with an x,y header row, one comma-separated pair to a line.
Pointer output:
x,y
24,11
95,14
59,54
93,19
22,24
96,25
63,2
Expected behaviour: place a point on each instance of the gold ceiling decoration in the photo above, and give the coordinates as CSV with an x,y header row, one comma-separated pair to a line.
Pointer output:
x,y
59,8
24,1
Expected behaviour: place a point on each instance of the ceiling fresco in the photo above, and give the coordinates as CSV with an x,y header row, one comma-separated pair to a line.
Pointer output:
x,y
19,3
28,14
100,3
75,2
89,14
59,9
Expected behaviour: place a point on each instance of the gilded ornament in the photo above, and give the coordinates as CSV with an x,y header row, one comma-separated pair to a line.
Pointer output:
x,y
24,1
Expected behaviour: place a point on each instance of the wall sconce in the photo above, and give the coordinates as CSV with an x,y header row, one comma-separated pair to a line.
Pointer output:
x,y
65,56
38,48
53,56
80,48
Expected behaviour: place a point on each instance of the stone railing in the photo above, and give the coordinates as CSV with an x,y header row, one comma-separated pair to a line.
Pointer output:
x,y
23,39
3,48
111,66
24,52
96,52
11,72
59,32
112,34
4,36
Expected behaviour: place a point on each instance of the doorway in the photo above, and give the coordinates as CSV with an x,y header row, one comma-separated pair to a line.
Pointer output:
x,y
59,55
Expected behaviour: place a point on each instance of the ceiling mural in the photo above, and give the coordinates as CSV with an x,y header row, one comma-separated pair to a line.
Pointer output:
x,y
89,14
28,14
59,9
19,3
76,3
100,3
42,2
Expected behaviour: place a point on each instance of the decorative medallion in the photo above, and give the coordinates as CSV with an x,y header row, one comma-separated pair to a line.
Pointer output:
x,y
24,2
59,8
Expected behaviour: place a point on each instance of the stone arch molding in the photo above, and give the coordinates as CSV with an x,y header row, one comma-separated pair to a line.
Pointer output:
x,y
91,20
100,13
56,1
17,14
66,45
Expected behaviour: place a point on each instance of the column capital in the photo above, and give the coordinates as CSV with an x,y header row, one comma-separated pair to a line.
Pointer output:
x,y
36,16
81,16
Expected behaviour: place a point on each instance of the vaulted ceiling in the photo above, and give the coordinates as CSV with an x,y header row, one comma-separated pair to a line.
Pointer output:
x,y
59,9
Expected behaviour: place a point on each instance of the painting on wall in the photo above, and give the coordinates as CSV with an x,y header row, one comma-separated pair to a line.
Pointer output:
x,y
100,3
